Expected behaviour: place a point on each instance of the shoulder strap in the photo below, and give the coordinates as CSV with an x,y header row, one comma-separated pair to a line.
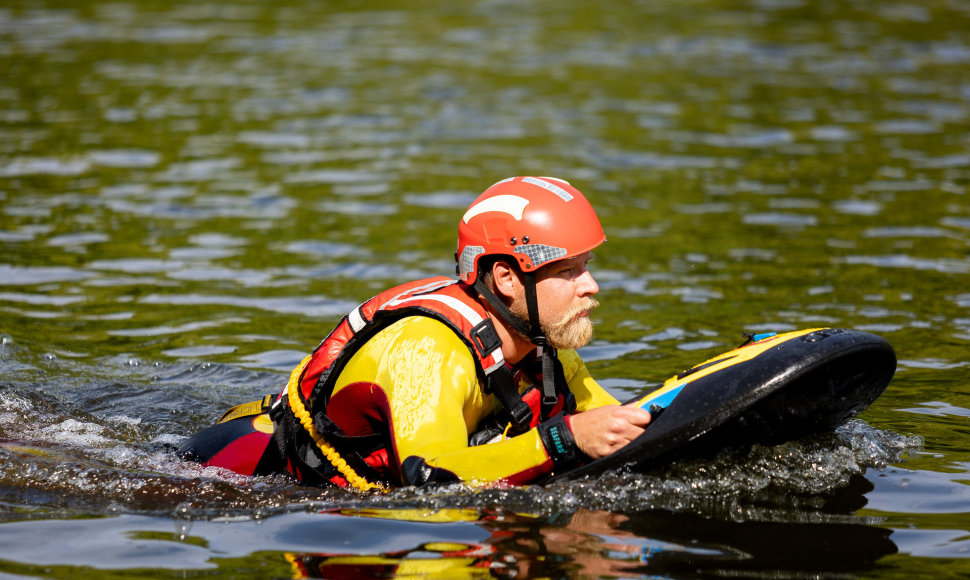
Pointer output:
x,y
499,378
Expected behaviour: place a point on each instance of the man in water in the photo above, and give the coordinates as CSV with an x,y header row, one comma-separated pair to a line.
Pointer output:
x,y
475,379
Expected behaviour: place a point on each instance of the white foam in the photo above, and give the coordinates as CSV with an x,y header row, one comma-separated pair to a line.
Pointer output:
x,y
76,433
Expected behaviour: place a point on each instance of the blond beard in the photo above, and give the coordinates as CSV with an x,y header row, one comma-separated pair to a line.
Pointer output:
x,y
569,332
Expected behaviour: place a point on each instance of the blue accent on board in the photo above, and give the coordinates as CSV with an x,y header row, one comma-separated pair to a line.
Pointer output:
x,y
663,400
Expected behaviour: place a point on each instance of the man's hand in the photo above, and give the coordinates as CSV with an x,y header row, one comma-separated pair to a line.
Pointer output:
x,y
601,431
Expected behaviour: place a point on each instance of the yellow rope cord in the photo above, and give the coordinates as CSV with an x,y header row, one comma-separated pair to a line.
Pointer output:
x,y
295,565
296,405
505,433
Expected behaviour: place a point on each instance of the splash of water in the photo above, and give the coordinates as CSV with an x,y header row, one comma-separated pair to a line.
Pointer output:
x,y
103,460
802,476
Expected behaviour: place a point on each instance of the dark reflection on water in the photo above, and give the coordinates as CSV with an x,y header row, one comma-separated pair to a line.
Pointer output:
x,y
459,542
192,194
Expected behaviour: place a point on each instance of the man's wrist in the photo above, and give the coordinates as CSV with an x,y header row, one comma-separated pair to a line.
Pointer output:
x,y
559,442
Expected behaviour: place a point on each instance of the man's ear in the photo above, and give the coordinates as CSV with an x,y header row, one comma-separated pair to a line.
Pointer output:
x,y
506,280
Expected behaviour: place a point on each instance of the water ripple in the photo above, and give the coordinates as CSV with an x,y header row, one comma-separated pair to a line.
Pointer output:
x,y
34,275
947,265
24,166
309,306
780,219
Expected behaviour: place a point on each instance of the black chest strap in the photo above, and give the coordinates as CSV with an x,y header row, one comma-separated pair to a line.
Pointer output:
x,y
502,382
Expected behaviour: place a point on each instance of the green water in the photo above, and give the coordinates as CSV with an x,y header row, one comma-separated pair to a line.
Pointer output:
x,y
192,194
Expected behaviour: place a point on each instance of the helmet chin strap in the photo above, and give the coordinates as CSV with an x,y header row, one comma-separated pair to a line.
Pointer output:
x,y
522,327
545,353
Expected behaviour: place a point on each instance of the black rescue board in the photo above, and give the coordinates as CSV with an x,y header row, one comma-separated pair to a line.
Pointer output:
x,y
775,389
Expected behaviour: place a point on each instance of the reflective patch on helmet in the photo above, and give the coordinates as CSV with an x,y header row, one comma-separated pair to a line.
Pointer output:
x,y
466,261
540,253
512,205
562,193
555,179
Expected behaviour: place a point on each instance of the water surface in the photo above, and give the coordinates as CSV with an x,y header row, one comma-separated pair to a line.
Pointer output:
x,y
192,194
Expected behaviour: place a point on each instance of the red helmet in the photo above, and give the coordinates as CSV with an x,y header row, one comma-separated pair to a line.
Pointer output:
x,y
535,220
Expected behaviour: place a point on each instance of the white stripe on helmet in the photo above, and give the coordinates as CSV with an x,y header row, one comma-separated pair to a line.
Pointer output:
x,y
512,205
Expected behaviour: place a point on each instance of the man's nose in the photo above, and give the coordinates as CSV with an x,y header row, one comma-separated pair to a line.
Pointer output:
x,y
587,284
